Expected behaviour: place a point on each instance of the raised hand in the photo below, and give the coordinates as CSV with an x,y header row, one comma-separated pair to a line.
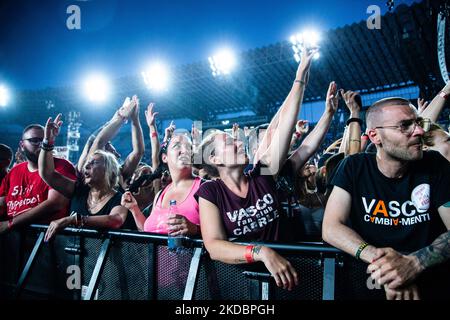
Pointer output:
x,y
302,126
352,101
134,115
168,132
52,128
305,63
150,116
332,99
235,130
125,110
421,105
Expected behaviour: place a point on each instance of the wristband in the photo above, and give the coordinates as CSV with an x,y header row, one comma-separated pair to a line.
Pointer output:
x,y
249,254
154,134
354,120
298,134
361,247
47,147
301,82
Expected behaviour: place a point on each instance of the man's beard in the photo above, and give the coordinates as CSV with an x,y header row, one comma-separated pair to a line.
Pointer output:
x,y
404,153
31,157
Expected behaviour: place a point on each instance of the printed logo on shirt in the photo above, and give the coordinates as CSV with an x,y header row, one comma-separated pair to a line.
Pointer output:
x,y
254,217
394,213
420,196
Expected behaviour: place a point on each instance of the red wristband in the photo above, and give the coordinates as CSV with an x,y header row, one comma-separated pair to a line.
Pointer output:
x,y
249,254
298,134
154,134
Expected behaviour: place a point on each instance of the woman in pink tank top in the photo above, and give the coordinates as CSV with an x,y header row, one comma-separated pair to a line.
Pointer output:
x,y
183,187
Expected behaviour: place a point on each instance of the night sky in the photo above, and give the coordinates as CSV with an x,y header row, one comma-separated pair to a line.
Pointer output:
x,y
119,37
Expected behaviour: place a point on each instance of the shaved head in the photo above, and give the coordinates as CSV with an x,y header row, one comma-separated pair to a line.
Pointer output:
x,y
374,115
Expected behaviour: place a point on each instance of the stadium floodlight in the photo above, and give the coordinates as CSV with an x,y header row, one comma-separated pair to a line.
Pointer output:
x,y
307,39
156,76
222,63
4,96
96,88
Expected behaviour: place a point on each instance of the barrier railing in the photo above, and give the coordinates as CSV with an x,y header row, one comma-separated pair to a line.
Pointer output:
x,y
126,265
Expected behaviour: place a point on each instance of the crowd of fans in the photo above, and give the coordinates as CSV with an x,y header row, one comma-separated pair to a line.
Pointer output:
x,y
380,193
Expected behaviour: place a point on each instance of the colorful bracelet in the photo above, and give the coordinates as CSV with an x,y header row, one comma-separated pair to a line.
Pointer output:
x,y
249,254
361,247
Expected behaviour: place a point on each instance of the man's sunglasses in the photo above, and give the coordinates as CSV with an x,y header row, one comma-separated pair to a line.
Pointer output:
x,y
35,141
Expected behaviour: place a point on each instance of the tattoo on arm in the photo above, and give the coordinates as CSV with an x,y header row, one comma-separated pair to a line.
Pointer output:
x,y
256,250
447,205
437,252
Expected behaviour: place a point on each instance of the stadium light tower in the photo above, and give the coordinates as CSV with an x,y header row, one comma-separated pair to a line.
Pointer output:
x,y
4,96
222,63
308,39
96,88
157,77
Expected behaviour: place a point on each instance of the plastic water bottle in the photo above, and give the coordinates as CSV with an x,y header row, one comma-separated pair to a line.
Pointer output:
x,y
174,243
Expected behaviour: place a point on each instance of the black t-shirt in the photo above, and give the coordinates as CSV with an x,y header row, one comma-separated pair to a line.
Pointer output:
x,y
399,213
78,204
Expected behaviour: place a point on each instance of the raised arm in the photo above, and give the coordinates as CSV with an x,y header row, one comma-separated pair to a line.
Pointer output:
x,y
87,147
434,109
313,140
154,140
219,248
275,155
112,127
353,141
137,139
46,163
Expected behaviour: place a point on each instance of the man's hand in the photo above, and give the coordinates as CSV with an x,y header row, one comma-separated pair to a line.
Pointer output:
x,y
394,269
407,293
150,116
52,129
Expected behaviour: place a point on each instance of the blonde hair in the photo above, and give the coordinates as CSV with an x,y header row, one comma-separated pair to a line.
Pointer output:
x,y
205,150
112,168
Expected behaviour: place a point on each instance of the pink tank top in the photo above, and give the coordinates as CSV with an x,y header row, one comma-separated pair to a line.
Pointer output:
x,y
157,221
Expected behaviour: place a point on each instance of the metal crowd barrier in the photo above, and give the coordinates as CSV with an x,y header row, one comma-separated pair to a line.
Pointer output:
x,y
83,264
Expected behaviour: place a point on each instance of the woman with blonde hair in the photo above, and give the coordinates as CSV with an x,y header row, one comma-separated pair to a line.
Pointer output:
x,y
95,201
